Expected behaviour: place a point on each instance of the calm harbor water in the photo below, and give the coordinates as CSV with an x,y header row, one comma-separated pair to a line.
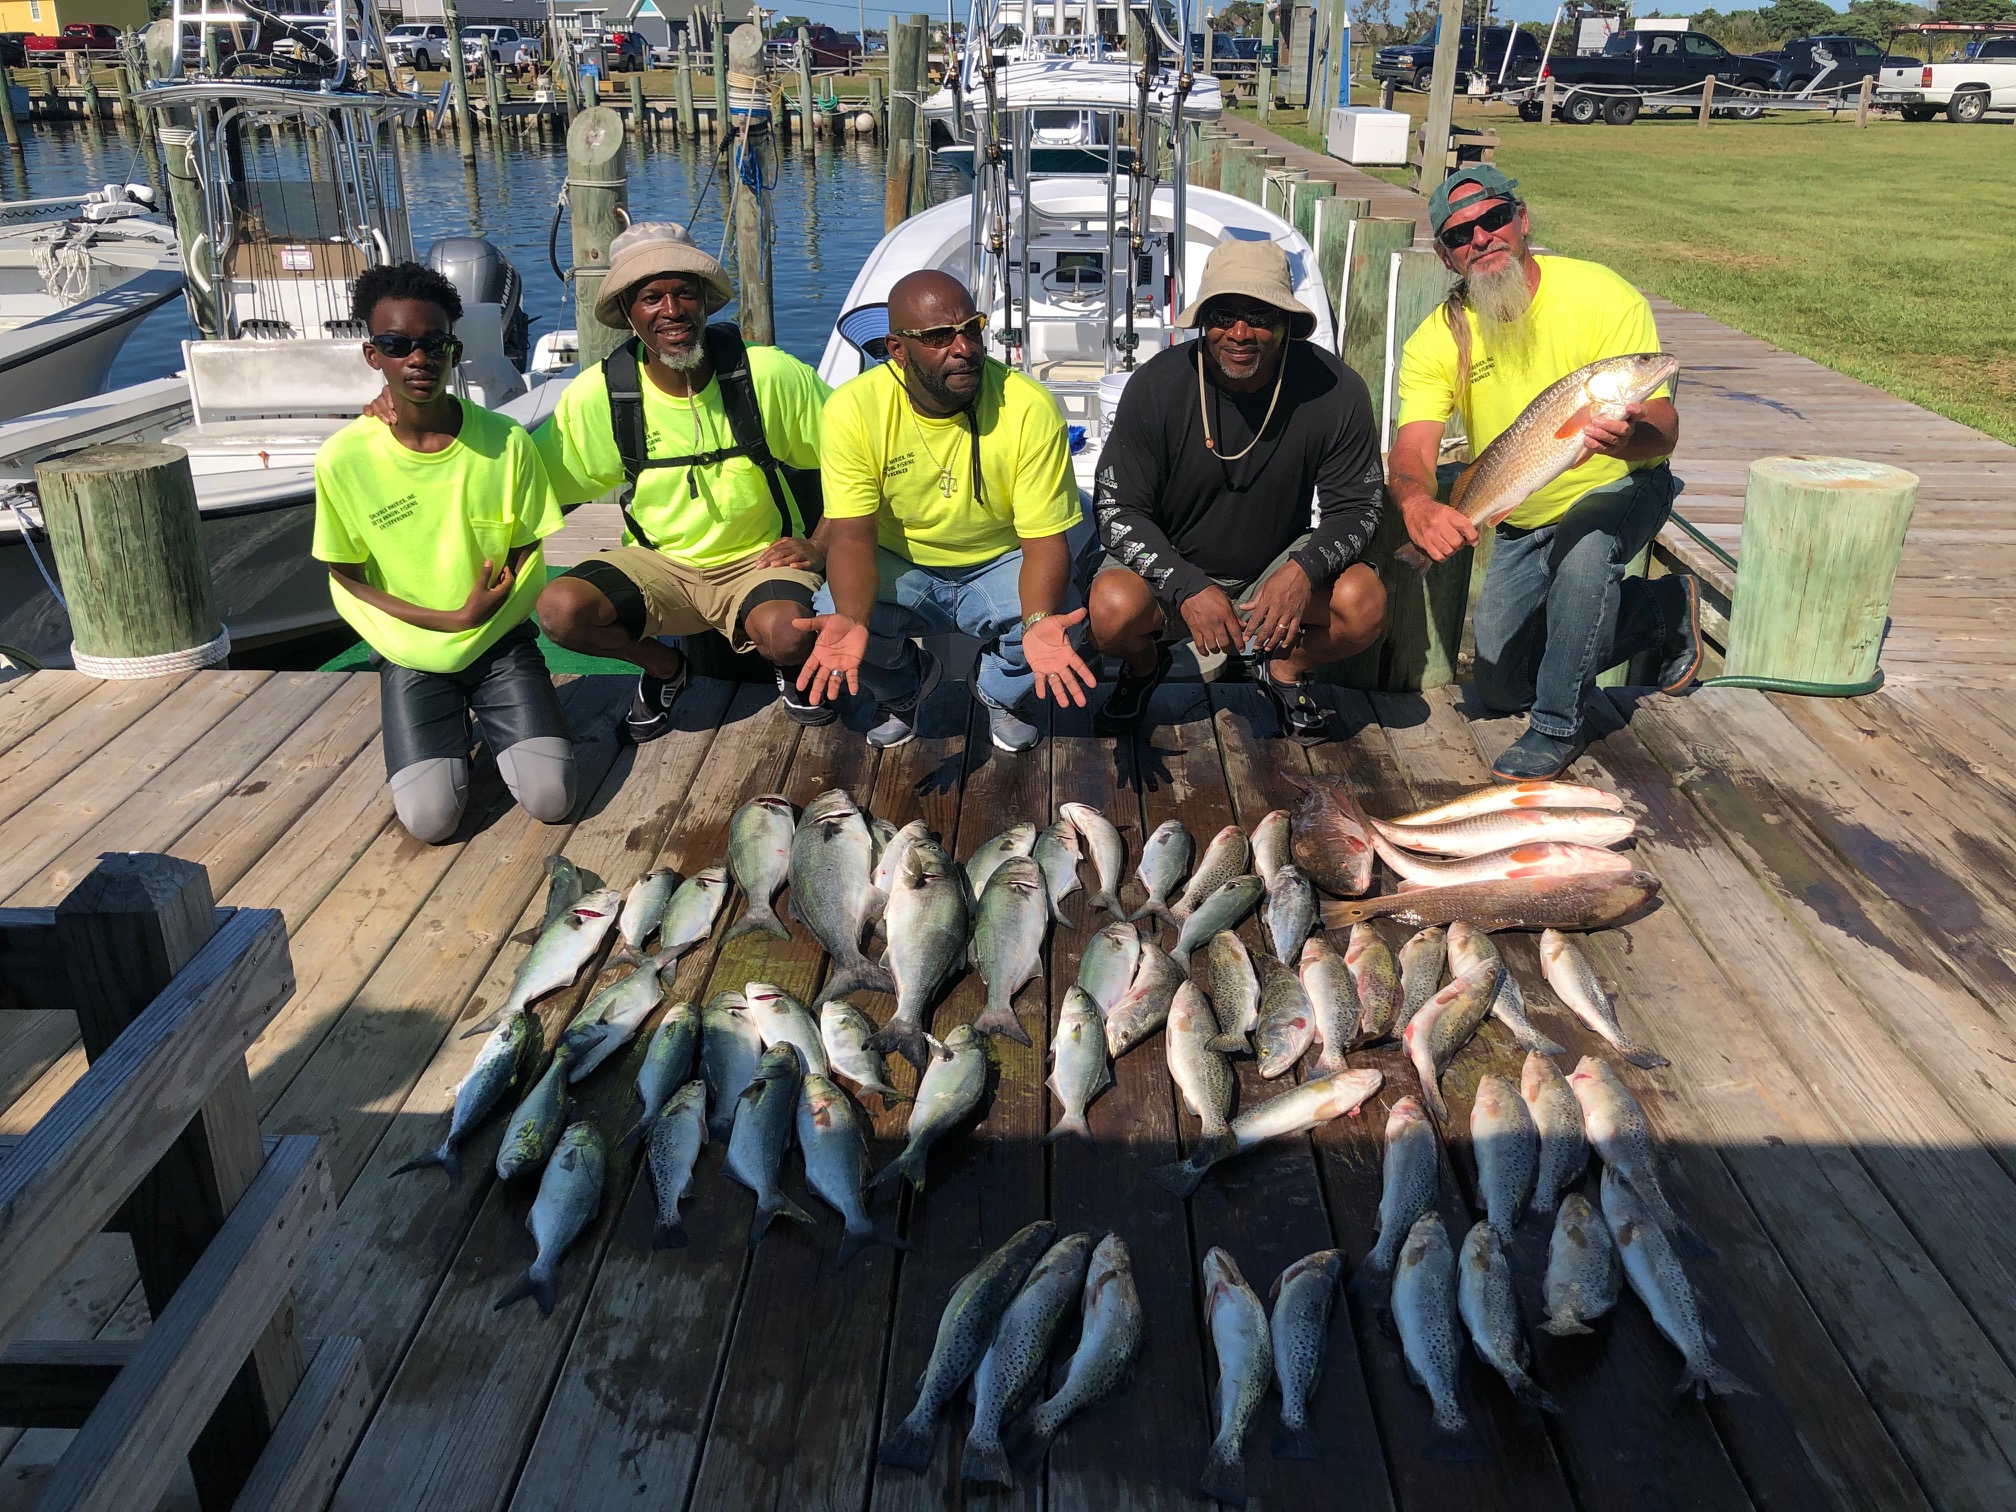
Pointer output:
x,y
828,208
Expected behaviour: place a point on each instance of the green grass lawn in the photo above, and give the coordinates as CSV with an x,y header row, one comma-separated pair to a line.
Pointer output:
x,y
1875,252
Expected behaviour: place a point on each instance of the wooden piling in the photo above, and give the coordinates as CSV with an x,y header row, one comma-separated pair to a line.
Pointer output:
x,y
1707,98
805,85
1276,189
1821,539
1330,235
12,126
903,62
1368,272
1263,97
1547,101
123,525
1302,197
718,39
637,103
1862,100
1235,167
756,313
597,189
90,90
185,201
682,93
920,129
878,105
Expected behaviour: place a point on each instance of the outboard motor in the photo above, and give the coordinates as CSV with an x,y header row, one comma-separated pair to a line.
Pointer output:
x,y
484,276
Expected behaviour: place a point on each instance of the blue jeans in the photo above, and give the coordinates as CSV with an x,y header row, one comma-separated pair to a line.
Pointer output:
x,y
983,601
1557,608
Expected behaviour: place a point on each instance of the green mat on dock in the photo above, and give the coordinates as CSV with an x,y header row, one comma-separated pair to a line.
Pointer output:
x,y
558,658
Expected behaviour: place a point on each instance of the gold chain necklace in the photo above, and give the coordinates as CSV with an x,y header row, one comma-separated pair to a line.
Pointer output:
x,y
944,472
1204,413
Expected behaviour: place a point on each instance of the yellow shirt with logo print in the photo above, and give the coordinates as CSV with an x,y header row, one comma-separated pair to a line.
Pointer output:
x,y
1581,313
422,524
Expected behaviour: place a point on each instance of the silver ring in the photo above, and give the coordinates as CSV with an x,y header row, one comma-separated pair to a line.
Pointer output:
x,y
834,674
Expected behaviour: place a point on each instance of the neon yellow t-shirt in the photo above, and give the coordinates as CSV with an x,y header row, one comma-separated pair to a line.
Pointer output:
x,y
885,459
423,523
699,516
1581,312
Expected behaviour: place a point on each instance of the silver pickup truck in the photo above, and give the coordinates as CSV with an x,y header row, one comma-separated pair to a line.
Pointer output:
x,y
1967,87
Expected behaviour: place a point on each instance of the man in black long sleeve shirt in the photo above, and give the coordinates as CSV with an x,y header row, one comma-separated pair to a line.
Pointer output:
x,y
1237,489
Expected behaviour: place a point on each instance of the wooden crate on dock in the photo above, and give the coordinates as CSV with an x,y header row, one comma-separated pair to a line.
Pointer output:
x,y
159,1139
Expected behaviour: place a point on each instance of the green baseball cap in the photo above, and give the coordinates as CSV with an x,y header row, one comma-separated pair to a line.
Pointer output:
x,y
1484,175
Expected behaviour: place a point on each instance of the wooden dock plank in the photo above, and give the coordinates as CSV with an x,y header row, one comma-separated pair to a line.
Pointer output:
x,y
659,1320
156,815
1858,1266
28,704
1144,1447
461,1410
393,1241
1520,1468
45,756
983,1185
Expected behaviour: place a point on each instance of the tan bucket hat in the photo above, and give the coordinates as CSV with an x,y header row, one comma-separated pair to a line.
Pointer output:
x,y
651,249
1257,269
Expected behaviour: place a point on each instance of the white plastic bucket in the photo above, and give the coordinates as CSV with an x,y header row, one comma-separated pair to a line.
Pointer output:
x,y
1110,388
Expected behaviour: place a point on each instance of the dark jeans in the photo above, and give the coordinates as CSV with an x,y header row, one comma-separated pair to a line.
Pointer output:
x,y
1557,608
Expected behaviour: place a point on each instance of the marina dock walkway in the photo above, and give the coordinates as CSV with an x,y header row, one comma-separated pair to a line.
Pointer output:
x,y
1828,970
1952,620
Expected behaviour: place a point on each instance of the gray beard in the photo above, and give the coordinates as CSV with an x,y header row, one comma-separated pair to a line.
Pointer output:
x,y
686,361
1500,301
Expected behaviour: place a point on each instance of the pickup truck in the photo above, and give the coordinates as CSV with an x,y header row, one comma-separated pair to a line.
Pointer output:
x,y
1966,89
1411,65
78,36
1637,65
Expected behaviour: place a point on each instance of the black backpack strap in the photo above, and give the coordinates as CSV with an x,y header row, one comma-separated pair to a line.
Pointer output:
x,y
730,356
625,382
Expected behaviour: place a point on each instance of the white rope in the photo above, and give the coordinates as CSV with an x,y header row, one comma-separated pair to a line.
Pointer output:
x,y
12,499
166,664
65,267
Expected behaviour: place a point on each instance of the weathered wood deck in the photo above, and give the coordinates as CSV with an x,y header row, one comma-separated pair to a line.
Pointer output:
x,y
1829,972
1951,621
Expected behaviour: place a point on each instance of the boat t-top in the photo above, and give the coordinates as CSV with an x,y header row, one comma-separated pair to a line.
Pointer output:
x,y
1081,233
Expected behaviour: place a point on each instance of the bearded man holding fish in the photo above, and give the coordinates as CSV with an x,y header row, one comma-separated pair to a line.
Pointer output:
x,y
1554,366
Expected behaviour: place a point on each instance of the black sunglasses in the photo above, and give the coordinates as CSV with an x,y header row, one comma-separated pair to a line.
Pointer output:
x,y
437,344
937,338
1497,218
1222,317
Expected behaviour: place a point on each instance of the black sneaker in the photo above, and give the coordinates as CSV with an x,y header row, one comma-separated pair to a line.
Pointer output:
x,y
796,709
1127,704
1301,718
650,713
1680,652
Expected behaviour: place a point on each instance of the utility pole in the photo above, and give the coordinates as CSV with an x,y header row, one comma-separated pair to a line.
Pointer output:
x,y
1441,98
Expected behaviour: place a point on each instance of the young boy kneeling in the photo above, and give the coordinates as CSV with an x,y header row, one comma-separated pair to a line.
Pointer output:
x,y
431,528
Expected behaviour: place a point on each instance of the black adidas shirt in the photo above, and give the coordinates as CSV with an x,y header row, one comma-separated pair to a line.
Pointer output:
x,y
1180,515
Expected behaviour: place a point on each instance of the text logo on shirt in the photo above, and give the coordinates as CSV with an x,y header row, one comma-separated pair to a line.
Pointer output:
x,y
398,512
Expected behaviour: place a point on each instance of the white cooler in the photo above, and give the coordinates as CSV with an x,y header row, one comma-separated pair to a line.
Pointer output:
x,y
1366,134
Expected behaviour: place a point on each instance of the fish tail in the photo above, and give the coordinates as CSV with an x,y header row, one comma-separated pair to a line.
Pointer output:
x,y
757,918
485,1027
636,1133
668,1233
891,1098
1412,556
1534,1040
626,955
1228,1044
906,1039
1070,1123
533,1284
1180,959
1703,1377
443,1157
1296,1443
1000,1019
1329,1062
1225,1475
1531,1393
1452,1443
986,1463
1370,1280
1030,1444
783,1207
910,1165
1344,915
857,975
1111,904
856,1240
1057,913
1565,1325
1431,1094
909,1445
1643,1059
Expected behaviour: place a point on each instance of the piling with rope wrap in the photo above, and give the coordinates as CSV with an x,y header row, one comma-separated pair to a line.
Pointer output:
x,y
750,114
598,197
125,531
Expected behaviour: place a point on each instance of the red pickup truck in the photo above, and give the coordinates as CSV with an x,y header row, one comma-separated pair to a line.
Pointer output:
x,y
78,36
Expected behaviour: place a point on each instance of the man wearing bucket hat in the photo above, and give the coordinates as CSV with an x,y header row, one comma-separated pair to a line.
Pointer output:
x,y
1238,487
1557,606
707,438
950,502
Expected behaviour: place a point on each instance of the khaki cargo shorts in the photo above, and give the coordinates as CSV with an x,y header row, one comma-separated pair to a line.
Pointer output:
x,y
655,595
